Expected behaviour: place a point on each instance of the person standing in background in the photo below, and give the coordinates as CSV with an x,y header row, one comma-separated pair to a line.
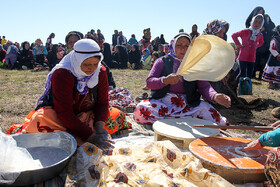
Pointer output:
x,y
49,40
3,41
262,52
121,40
252,38
115,38
100,38
272,69
194,32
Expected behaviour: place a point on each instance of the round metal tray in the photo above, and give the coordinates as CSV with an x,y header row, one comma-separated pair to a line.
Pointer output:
x,y
52,149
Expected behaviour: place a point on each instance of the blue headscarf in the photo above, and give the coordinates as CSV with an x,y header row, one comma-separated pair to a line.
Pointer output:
x,y
144,57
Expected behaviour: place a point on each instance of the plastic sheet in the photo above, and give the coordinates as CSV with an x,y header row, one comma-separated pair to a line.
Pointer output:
x,y
14,159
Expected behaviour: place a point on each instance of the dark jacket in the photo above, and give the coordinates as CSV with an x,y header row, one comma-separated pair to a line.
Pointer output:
x,y
192,95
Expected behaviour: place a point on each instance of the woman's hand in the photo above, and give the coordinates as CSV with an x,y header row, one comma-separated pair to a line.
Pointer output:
x,y
239,46
101,138
222,99
276,125
278,57
253,145
102,141
99,127
171,79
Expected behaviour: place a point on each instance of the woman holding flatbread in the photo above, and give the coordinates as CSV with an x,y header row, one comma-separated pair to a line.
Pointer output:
x,y
173,97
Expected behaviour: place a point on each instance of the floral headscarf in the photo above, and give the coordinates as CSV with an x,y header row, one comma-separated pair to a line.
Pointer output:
x,y
172,51
215,26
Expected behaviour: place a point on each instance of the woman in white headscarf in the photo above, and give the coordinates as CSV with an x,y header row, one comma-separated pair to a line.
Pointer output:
x,y
252,38
76,97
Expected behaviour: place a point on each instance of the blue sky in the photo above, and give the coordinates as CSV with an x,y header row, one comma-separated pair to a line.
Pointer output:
x,y
27,20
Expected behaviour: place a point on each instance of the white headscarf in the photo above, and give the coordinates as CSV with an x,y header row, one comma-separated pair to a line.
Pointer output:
x,y
255,32
83,49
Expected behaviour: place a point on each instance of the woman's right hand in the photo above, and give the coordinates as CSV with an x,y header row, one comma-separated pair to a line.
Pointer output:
x,y
239,47
171,79
253,145
101,140
276,125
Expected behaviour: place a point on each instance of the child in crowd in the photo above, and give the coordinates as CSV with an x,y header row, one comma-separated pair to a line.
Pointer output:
x,y
150,48
272,68
40,52
252,38
49,39
60,52
141,48
146,59
155,55
160,50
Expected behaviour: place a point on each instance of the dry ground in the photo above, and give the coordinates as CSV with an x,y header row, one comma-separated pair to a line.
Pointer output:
x,y
19,91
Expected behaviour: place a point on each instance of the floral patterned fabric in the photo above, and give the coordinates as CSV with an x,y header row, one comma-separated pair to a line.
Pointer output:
x,y
121,98
271,74
175,106
272,168
45,120
156,164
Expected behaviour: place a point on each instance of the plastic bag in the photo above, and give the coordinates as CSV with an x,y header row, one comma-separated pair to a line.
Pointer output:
x,y
208,58
14,160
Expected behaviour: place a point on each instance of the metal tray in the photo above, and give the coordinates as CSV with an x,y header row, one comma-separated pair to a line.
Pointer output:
x,y
52,149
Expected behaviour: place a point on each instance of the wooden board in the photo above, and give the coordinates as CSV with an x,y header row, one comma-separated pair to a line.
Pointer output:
x,y
182,129
218,155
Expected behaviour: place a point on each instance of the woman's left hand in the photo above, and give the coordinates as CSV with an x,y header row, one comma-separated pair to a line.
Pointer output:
x,y
223,100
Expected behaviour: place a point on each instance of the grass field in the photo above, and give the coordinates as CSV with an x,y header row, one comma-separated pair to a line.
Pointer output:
x,y
19,91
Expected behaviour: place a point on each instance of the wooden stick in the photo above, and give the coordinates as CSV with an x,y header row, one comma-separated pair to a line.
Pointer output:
x,y
252,128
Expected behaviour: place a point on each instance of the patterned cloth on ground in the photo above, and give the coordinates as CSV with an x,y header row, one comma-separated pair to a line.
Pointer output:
x,y
121,98
175,106
156,164
272,168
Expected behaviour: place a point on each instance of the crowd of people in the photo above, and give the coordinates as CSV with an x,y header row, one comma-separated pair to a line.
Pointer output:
x,y
82,67
121,53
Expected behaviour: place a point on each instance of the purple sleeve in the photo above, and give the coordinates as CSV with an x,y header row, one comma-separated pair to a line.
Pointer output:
x,y
206,90
154,79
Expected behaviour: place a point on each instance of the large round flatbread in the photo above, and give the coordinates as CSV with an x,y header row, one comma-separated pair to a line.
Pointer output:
x,y
182,128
